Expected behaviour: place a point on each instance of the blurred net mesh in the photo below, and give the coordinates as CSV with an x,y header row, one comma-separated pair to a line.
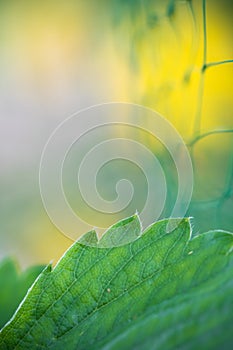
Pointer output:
x,y
216,208
218,202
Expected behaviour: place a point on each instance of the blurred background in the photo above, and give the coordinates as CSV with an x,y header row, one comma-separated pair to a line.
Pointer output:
x,y
57,57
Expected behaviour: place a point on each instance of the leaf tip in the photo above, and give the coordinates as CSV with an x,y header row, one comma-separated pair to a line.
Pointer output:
x,y
90,238
174,223
122,232
48,268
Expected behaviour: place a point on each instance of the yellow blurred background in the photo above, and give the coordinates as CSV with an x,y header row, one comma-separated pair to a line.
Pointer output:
x,y
58,57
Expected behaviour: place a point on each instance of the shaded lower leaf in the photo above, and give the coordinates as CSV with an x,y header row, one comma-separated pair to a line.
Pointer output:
x,y
13,287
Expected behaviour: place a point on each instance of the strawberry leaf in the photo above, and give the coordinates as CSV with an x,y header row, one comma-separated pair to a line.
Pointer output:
x,y
164,290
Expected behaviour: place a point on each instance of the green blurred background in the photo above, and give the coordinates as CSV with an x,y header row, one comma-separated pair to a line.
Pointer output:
x,y
57,57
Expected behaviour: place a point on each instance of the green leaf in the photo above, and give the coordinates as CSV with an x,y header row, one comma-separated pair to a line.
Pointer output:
x,y
13,287
161,291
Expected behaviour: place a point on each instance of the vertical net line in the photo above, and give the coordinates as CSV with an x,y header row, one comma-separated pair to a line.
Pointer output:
x,y
198,114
